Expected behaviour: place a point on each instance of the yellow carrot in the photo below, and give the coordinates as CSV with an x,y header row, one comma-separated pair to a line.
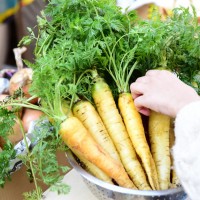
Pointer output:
x,y
109,113
134,125
76,136
174,178
90,118
159,125
93,169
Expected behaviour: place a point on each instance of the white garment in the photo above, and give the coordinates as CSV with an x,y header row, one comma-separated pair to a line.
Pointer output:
x,y
134,4
170,4
186,150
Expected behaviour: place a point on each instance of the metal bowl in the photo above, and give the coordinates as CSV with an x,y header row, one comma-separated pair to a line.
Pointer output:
x,y
105,191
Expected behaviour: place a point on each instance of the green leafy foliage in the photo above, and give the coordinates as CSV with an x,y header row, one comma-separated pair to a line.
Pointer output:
x,y
43,158
100,36
32,195
41,161
78,36
7,121
45,163
172,44
60,188
6,155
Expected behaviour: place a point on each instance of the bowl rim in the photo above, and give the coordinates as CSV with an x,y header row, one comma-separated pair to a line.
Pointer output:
x,y
72,161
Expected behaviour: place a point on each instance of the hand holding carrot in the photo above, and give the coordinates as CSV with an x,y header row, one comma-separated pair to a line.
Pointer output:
x,y
161,91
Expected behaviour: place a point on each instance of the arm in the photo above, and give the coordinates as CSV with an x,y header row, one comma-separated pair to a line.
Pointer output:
x,y
187,147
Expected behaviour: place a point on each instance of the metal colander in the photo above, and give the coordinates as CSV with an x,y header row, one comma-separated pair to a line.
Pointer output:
x,y
105,191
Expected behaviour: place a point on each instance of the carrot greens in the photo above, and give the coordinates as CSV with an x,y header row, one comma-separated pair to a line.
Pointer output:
x,y
172,44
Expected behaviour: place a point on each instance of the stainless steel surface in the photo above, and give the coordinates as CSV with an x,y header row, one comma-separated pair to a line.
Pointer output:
x,y
105,191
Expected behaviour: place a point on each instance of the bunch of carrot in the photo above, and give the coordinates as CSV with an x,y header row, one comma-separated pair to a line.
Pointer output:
x,y
108,137
101,125
110,140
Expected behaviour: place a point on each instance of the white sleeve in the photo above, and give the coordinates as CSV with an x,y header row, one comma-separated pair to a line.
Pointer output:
x,y
186,150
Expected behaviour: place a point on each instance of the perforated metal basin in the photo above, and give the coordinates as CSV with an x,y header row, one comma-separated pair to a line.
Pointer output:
x,y
105,191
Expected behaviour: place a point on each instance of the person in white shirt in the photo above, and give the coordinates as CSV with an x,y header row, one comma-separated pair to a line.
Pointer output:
x,y
163,92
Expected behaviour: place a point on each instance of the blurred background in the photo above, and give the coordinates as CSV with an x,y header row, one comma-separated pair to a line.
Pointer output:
x,y
17,15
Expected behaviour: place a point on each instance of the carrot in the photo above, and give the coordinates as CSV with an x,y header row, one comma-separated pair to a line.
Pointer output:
x,y
109,113
90,118
174,178
135,129
76,136
159,125
93,169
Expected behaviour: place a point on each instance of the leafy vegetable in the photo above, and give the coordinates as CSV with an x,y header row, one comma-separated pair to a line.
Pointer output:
x,y
41,160
7,121
172,43
5,156
72,42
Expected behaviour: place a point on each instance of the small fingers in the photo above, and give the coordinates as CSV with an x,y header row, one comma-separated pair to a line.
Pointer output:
x,y
142,105
144,111
137,89
139,86
139,102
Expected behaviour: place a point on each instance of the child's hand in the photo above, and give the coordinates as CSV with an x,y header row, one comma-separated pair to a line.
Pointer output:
x,y
161,91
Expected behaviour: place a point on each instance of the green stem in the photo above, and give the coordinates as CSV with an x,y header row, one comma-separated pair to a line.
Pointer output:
x,y
30,161
26,105
129,76
110,57
44,43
